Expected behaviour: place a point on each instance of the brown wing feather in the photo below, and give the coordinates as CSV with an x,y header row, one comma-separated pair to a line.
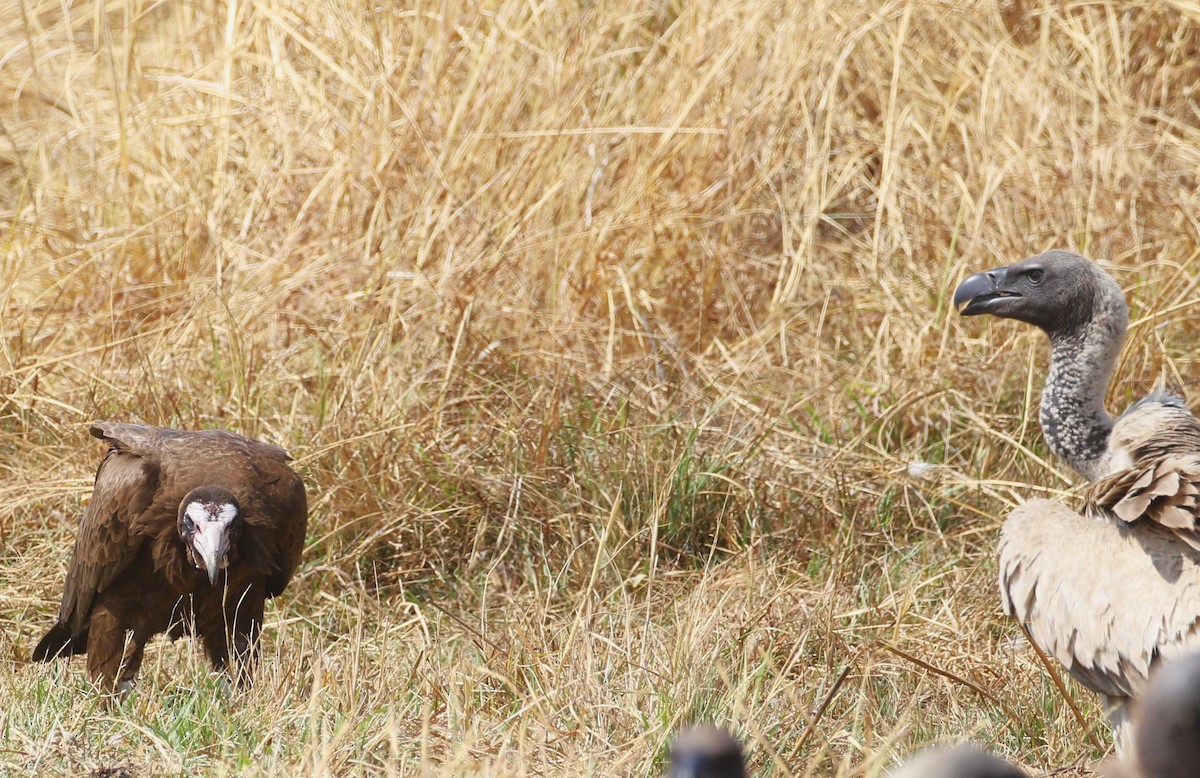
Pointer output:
x,y
1163,489
105,545
161,443
291,524
1157,426
132,438
1105,600
141,459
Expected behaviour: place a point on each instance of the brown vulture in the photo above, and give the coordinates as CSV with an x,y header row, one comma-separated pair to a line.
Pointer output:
x,y
1115,589
186,532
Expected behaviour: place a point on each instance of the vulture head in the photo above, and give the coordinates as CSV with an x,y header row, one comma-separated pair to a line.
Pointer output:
x,y
1167,722
706,752
959,762
1058,292
210,521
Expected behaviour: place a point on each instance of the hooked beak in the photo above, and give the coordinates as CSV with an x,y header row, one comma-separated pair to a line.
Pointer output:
x,y
211,544
979,293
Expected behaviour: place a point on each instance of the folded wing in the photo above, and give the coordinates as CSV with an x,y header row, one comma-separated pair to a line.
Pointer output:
x,y
1105,600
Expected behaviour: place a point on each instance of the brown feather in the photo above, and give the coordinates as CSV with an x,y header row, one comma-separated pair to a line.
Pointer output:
x,y
105,545
1160,489
132,577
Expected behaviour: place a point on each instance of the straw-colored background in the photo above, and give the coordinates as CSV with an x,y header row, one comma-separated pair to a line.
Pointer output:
x,y
604,335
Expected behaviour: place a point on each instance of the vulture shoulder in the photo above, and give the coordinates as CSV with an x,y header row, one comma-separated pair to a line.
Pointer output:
x,y
1164,490
288,530
1155,469
1105,599
106,542
159,443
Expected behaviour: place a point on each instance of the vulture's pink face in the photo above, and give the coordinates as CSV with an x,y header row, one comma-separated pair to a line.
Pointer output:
x,y
209,528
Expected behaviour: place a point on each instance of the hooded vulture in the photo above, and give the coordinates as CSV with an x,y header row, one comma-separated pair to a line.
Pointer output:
x,y
1110,591
706,752
186,532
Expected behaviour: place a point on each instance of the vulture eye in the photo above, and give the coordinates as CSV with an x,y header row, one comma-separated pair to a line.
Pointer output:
x,y
188,523
1035,275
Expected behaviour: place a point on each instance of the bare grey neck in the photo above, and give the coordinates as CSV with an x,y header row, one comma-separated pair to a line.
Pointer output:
x,y
1073,418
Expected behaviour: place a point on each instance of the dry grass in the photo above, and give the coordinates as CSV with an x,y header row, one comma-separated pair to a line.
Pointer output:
x,y
603,334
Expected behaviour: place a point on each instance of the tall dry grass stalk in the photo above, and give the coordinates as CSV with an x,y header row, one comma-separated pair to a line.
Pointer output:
x,y
604,335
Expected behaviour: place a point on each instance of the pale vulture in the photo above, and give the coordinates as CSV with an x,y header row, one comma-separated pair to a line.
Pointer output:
x,y
1166,725
1113,590
960,762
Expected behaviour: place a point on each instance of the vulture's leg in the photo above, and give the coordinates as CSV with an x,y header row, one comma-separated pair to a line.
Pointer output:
x,y
246,628
210,625
114,649
1117,711
124,617
237,621
181,618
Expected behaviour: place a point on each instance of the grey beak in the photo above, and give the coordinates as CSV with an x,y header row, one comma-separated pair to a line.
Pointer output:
x,y
972,288
211,543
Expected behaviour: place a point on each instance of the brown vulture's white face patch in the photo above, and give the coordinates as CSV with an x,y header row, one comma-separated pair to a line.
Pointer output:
x,y
210,524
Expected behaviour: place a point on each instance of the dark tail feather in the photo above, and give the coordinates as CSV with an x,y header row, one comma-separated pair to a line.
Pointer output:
x,y
59,642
